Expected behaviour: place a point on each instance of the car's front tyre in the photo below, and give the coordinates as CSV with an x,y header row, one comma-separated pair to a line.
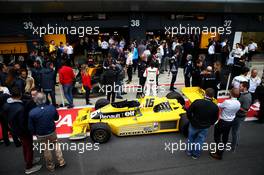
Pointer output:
x,y
100,132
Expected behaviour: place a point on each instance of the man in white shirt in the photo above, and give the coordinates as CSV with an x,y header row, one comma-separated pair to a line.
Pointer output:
x,y
161,47
229,109
151,74
254,82
241,78
69,50
252,47
210,59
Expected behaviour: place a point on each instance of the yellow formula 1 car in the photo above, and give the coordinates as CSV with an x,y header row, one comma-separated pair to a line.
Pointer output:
x,y
147,115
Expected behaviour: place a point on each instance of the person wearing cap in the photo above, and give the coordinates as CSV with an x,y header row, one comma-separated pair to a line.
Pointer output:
x,y
202,114
229,109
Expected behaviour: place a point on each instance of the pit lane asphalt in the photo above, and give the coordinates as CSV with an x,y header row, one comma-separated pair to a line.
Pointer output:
x,y
146,155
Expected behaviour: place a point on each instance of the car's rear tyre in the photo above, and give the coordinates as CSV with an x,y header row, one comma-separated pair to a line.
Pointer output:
x,y
184,125
101,103
100,132
177,96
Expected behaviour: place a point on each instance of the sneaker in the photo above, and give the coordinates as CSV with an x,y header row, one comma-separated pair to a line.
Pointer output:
x,y
62,165
119,97
194,157
36,160
34,169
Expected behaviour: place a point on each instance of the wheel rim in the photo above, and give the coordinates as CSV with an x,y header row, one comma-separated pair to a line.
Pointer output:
x,y
99,135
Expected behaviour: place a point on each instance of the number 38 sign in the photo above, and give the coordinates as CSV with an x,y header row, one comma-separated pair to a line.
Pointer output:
x,y
135,23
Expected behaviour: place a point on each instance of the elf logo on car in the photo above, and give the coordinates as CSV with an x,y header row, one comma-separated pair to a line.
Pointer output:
x,y
93,114
129,113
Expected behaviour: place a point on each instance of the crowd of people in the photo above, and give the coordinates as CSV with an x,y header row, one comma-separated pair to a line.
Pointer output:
x,y
27,85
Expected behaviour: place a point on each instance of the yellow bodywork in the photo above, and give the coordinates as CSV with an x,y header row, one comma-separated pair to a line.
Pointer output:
x,y
195,93
135,120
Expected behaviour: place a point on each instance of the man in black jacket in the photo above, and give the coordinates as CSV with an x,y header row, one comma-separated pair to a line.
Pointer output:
x,y
109,78
47,82
4,121
15,112
202,114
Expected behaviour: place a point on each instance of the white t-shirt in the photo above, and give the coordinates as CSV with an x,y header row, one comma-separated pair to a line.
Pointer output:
x,y
4,90
151,75
252,46
161,50
229,109
253,84
129,60
146,54
238,79
69,50
104,45
238,53
211,50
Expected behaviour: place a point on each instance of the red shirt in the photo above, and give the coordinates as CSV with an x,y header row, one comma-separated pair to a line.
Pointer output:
x,y
86,80
66,75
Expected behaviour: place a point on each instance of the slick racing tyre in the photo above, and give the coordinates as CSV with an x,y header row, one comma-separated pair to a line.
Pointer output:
x,y
100,132
101,103
184,125
177,96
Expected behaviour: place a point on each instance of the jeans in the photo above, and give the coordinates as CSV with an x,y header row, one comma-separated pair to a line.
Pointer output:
x,y
119,88
235,131
196,139
67,90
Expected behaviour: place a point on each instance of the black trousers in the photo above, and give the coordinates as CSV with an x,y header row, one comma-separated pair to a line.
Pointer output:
x,y
173,79
5,129
135,65
110,92
129,73
187,81
52,96
87,94
221,134
250,55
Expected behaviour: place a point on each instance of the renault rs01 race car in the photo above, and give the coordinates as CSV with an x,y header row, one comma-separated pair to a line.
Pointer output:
x,y
147,115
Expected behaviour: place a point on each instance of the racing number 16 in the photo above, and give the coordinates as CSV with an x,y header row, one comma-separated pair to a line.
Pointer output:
x,y
149,102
